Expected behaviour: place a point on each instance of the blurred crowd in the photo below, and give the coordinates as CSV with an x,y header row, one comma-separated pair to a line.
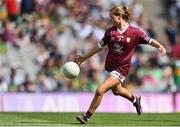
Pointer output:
x,y
38,36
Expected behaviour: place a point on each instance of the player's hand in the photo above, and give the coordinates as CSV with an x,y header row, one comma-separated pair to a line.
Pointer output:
x,y
162,50
79,59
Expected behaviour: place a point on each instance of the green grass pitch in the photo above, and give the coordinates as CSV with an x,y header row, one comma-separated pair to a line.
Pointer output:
x,y
98,119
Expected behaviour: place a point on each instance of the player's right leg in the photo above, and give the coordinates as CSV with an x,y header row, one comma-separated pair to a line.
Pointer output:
x,y
121,91
110,82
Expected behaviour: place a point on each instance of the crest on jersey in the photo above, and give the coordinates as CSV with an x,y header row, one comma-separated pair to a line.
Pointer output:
x,y
128,39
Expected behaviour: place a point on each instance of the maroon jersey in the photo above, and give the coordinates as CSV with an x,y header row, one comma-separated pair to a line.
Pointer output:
x,y
121,47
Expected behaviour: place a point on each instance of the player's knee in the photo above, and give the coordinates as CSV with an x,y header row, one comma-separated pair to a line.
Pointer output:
x,y
115,92
100,91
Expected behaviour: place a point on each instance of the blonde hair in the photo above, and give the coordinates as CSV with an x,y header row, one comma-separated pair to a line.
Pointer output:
x,y
122,11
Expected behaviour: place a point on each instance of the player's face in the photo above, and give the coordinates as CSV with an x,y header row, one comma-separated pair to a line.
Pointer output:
x,y
115,19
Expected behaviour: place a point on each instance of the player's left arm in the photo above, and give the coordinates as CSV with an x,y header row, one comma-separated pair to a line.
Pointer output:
x,y
158,45
144,39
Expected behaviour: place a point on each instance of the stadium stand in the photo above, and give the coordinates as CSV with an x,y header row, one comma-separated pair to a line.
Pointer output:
x,y
38,37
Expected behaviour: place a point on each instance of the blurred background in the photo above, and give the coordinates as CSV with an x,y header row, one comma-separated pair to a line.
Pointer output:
x,y
38,36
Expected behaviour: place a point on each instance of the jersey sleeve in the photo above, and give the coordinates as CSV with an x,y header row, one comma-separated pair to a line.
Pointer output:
x,y
104,40
143,38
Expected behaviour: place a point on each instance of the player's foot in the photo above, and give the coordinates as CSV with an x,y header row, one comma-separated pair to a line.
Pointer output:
x,y
83,119
137,105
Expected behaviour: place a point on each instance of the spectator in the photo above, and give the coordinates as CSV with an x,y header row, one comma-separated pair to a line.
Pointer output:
x,y
13,9
3,10
176,73
171,32
27,6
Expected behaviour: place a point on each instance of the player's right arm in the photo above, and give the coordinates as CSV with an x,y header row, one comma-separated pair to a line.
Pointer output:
x,y
80,59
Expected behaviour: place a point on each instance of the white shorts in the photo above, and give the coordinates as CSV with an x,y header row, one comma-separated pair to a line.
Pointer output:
x,y
118,75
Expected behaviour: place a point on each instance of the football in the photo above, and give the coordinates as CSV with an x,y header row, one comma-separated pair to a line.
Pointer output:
x,y
71,70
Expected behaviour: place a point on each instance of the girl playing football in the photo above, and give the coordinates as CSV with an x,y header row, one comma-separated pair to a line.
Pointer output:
x,y
121,40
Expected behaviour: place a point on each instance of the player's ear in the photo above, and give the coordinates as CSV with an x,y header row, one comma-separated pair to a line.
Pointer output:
x,y
119,18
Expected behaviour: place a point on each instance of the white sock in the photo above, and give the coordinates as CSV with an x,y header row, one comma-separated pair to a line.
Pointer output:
x,y
134,100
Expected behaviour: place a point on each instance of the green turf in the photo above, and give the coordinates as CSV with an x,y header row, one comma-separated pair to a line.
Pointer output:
x,y
99,119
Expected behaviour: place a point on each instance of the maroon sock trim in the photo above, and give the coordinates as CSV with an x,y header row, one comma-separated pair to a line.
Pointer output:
x,y
88,114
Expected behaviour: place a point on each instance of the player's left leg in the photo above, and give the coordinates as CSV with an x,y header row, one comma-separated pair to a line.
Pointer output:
x,y
121,91
110,82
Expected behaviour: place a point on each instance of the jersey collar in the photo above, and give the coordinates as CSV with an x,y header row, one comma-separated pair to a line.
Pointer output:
x,y
122,31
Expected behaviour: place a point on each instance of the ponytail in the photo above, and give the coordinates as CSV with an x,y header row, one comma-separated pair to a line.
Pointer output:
x,y
126,13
